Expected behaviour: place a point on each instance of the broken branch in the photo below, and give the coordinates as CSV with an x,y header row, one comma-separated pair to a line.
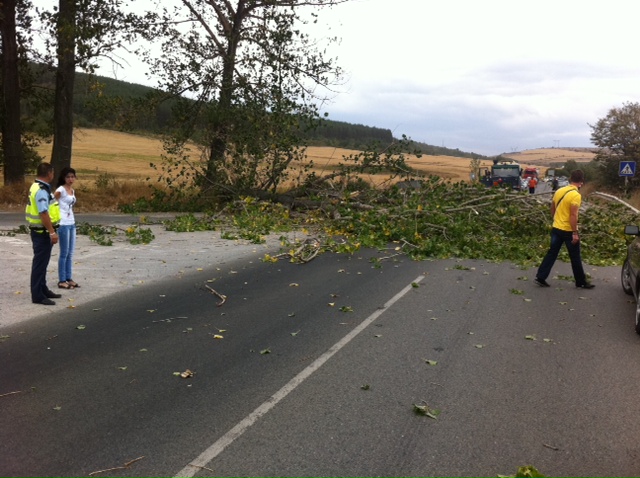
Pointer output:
x,y
11,393
123,467
223,298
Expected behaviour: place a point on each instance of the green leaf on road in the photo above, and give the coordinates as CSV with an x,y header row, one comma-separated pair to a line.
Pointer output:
x,y
426,411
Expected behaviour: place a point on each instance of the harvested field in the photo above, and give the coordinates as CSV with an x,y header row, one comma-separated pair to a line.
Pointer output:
x,y
100,154
122,155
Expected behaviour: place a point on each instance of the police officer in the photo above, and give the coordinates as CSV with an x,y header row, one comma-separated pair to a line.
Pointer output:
x,y
42,215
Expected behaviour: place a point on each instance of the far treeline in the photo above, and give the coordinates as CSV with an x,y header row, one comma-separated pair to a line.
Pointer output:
x,y
102,102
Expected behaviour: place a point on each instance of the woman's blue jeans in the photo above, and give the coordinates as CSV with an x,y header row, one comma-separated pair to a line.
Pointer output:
x,y
67,243
558,238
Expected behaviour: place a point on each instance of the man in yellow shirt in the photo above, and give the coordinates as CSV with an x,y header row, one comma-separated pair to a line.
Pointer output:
x,y
565,206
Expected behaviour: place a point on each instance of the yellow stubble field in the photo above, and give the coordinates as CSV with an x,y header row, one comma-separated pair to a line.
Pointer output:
x,y
125,156
128,156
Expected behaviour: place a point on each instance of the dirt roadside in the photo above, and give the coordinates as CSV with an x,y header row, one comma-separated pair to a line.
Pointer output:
x,y
105,270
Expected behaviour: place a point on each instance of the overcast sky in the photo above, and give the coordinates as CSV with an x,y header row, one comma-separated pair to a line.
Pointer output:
x,y
488,76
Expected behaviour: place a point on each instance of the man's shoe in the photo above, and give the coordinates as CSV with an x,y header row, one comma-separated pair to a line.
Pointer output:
x,y
45,302
52,295
541,282
585,286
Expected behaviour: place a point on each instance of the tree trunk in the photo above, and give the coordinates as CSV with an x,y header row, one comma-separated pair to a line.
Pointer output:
x,y
65,79
221,125
14,167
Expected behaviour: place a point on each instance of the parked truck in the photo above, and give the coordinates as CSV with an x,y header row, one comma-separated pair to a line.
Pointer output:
x,y
530,173
503,173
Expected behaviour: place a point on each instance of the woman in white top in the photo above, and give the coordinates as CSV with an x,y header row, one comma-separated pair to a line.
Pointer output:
x,y
67,231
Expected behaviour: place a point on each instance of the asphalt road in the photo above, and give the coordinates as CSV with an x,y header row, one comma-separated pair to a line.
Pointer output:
x,y
299,387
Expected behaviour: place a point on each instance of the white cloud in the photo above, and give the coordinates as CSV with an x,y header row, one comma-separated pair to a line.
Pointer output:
x,y
483,76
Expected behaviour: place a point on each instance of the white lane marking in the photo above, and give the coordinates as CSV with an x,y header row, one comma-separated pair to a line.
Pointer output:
x,y
237,431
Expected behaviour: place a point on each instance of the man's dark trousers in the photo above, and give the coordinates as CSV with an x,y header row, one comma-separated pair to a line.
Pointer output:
x,y
558,238
41,255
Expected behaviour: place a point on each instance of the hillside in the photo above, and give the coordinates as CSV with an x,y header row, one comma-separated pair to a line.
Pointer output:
x,y
127,156
551,157
101,102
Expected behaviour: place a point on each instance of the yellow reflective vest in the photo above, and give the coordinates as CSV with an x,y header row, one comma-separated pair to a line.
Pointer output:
x,y
31,212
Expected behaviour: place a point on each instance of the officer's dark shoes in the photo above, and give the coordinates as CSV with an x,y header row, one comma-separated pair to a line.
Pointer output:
x,y
541,282
45,301
52,295
585,286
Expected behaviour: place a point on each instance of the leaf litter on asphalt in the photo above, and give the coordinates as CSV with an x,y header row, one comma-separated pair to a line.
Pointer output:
x,y
426,410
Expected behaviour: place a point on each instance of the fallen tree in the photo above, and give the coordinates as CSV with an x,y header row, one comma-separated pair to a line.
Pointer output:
x,y
434,218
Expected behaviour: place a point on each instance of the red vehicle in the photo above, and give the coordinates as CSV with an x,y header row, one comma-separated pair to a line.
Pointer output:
x,y
530,173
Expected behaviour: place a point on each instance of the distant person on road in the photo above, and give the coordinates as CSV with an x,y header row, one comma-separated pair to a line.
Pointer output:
x,y
533,182
565,206
42,215
554,184
66,197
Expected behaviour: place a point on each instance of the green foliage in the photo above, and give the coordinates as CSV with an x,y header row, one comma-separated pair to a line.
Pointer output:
x,y
442,151
252,220
99,234
191,223
426,410
245,219
253,95
346,135
443,219
139,235
618,137
104,235
105,180
527,471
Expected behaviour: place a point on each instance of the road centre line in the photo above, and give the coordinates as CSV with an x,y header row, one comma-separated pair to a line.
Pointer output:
x,y
216,448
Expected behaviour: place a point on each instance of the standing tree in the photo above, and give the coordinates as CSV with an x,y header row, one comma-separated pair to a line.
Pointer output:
x,y
617,136
12,148
82,31
252,80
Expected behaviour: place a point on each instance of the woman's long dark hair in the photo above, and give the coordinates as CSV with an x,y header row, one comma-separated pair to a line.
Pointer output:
x,y
63,174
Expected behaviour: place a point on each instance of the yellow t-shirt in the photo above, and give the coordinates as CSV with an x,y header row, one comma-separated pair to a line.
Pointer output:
x,y
568,196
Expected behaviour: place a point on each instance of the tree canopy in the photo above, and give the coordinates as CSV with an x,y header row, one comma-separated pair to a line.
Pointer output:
x,y
618,137
256,78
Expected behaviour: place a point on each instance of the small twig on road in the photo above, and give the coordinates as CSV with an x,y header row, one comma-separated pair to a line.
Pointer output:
x,y
550,447
401,253
168,320
11,393
222,297
123,467
202,467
